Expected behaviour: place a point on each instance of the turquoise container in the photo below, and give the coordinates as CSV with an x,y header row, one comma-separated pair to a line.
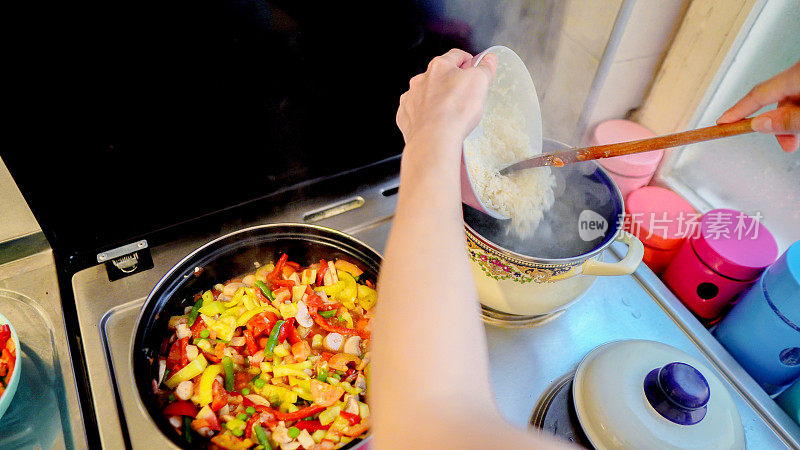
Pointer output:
x,y
763,330
789,400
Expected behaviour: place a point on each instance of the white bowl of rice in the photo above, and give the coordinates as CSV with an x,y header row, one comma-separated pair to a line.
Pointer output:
x,y
510,131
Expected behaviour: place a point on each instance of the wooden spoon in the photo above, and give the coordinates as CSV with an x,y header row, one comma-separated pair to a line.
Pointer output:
x,y
559,159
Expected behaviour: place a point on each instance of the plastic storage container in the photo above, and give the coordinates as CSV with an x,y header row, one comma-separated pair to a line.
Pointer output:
x,y
630,172
662,220
726,254
789,400
763,330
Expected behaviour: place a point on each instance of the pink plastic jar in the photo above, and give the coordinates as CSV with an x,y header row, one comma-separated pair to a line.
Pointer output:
x,y
662,220
630,172
726,254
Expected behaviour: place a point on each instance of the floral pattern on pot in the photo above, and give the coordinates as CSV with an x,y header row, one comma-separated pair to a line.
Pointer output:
x,y
500,267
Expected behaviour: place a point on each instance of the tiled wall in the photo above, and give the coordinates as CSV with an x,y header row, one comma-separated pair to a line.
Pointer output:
x,y
645,41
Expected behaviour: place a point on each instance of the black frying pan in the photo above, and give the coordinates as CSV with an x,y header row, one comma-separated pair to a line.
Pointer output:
x,y
220,260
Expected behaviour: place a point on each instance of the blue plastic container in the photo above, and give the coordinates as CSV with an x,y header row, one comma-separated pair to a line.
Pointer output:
x,y
763,330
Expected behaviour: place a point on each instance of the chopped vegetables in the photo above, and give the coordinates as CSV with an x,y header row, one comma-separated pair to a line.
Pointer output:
x,y
272,359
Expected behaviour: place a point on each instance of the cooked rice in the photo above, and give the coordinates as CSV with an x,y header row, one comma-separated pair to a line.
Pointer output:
x,y
523,196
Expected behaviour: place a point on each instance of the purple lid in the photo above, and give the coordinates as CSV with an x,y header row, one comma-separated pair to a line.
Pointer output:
x,y
678,392
734,244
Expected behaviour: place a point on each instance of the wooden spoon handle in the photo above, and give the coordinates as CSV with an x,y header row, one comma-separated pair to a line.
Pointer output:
x,y
670,140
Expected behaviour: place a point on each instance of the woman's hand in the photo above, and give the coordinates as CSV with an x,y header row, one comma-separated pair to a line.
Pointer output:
x,y
783,121
446,100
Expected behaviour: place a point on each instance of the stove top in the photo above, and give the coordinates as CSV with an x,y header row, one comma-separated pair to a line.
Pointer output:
x,y
525,363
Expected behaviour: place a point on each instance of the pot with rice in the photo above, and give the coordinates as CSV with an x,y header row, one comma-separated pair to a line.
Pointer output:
x,y
535,237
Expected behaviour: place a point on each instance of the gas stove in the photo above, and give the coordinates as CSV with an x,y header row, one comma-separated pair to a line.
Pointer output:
x,y
528,365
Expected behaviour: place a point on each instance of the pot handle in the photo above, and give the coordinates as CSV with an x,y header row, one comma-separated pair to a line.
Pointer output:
x,y
626,266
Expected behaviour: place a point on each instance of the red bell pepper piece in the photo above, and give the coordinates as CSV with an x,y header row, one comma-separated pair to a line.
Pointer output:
x,y
276,272
294,335
282,283
184,357
352,418
219,395
336,329
284,331
293,265
297,415
300,414
181,408
5,335
323,269
311,425
250,341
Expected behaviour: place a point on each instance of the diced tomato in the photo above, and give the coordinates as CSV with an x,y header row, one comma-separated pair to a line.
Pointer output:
x,y
220,396
356,430
262,323
361,325
250,341
340,361
326,356
180,408
311,425
198,327
262,342
370,284
218,350
282,294
301,350
177,357
352,418
241,380
287,272
324,394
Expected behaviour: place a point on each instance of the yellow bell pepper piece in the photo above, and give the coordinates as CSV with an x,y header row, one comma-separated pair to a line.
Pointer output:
x,y
250,302
367,297
188,372
237,297
349,292
212,308
288,407
204,391
247,315
208,297
348,319
332,289
276,394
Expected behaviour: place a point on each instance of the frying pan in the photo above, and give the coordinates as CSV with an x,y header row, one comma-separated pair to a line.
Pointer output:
x,y
220,260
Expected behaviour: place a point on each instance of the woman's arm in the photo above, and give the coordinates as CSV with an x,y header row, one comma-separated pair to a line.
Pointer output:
x,y
430,383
